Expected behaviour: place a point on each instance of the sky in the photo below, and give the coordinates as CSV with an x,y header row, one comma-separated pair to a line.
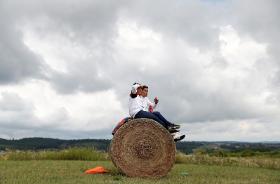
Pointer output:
x,y
67,67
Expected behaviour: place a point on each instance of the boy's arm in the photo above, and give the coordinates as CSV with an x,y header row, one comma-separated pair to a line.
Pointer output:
x,y
154,105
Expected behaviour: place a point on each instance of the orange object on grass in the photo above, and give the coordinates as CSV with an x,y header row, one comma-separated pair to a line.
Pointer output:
x,y
96,170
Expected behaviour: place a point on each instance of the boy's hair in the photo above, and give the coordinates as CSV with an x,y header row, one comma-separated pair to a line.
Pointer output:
x,y
144,86
133,95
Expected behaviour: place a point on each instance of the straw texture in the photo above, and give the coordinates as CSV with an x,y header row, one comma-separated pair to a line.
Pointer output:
x,y
143,148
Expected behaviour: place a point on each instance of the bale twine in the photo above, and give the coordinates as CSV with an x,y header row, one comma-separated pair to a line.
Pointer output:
x,y
143,148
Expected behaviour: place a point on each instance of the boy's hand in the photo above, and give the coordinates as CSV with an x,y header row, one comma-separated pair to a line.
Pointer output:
x,y
156,100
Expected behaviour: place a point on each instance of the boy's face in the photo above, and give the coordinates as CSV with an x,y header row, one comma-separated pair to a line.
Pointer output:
x,y
145,92
139,91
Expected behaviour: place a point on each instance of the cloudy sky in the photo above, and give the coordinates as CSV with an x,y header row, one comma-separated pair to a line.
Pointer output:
x,y
66,67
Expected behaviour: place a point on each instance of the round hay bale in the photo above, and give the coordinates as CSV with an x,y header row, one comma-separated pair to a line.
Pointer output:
x,y
143,148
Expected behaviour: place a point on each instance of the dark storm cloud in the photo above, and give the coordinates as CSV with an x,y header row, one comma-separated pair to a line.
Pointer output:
x,y
84,22
17,62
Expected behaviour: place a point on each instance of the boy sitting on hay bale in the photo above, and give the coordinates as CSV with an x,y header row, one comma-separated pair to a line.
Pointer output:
x,y
141,107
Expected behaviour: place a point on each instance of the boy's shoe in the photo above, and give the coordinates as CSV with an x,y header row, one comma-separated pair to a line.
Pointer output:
x,y
173,130
174,126
179,138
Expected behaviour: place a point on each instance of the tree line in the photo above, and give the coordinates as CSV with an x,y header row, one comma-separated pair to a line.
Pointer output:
x,y
198,147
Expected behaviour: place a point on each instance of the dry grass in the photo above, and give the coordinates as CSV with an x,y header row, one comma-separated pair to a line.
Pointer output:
x,y
259,162
89,154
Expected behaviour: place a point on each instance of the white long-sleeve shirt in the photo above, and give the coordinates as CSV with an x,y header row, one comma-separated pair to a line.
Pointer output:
x,y
139,103
147,103
135,105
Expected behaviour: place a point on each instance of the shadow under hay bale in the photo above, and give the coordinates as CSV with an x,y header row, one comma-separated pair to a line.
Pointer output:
x,y
143,148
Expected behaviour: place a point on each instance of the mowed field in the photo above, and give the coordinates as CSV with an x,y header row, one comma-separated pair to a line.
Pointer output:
x,y
67,172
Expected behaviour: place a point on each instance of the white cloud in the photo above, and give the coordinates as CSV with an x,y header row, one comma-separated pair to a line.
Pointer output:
x,y
46,108
237,130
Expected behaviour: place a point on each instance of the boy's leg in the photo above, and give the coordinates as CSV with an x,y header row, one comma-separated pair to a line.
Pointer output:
x,y
168,123
158,114
149,115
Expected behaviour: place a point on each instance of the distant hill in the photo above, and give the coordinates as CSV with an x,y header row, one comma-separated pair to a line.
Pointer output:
x,y
228,146
37,143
